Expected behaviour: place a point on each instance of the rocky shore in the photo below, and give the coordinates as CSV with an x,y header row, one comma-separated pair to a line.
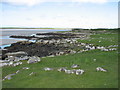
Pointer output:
x,y
47,44
50,44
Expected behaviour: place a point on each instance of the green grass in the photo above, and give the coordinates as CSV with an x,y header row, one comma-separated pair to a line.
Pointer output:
x,y
106,39
54,79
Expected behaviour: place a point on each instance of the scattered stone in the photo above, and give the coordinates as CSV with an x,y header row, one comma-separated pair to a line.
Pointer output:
x,y
69,71
79,72
16,64
17,71
51,56
10,63
26,68
3,64
9,76
32,73
94,60
75,66
11,58
101,69
48,69
62,69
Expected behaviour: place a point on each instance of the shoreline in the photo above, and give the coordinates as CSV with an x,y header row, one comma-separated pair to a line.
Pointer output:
x,y
53,43
7,33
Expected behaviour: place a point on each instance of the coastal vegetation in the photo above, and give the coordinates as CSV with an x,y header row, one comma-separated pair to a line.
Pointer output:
x,y
87,60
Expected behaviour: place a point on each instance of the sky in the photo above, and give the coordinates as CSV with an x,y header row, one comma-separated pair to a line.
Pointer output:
x,y
59,13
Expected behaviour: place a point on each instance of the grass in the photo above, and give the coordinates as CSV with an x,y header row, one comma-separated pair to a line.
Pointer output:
x,y
102,39
54,79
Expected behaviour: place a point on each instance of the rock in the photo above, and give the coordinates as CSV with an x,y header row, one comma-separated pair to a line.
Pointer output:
x,y
9,76
25,68
11,58
10,63
21,58
18,63
17,71
20,53
51,56
101,69
48,69
1,61
75,66
94,60
79,72
62,69
3,64
33,73
69,71
33,59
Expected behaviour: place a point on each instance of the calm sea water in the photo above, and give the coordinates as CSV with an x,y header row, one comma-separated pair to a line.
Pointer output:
x,y
6,41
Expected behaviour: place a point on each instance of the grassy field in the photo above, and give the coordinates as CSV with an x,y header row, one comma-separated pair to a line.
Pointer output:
x,y
55,79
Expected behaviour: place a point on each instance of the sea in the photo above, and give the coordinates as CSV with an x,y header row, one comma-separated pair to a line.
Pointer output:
x,y
5,41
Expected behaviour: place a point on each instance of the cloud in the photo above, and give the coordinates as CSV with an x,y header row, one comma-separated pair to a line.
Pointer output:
x,y
90,1
35,2
23,2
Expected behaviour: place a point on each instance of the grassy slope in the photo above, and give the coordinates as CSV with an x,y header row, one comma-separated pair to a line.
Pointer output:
x,y
54,79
